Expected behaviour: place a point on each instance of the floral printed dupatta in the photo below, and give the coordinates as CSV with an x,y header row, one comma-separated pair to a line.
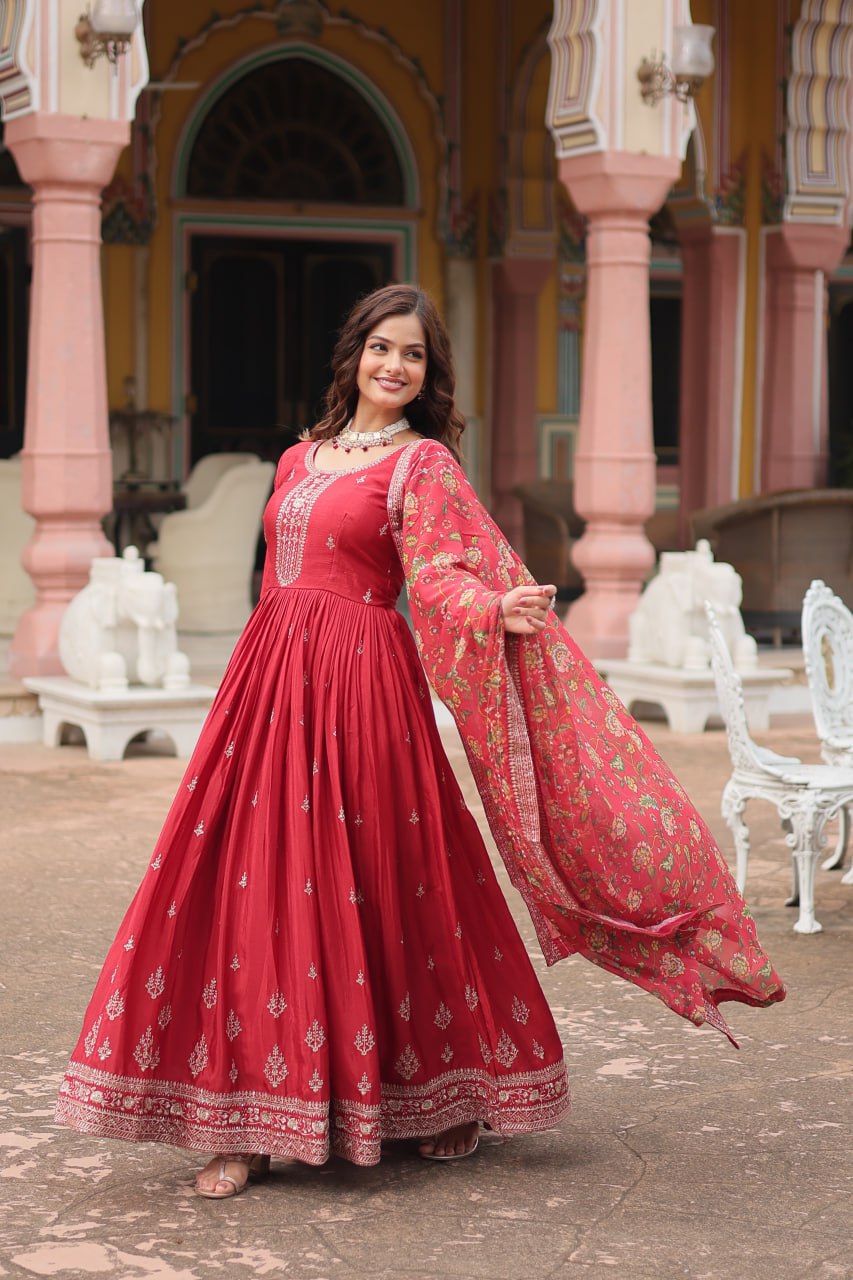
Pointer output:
x,y
610,856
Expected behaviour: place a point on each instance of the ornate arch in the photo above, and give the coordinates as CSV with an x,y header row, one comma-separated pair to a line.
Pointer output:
x,y
33,75
255,13
819,135
594,102
19,89
575,39
361,90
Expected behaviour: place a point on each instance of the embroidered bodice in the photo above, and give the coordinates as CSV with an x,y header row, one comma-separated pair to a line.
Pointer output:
x,y
334,530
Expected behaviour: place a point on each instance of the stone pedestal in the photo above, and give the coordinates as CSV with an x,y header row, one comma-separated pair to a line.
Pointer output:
x,y
614,466
67,479
110,720
689,698
20,718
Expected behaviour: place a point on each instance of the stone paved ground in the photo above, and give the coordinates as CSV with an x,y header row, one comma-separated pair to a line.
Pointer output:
x,y
683,1157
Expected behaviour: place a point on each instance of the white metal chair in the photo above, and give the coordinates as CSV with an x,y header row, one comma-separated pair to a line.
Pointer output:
x,y
209,551
806,796
827,630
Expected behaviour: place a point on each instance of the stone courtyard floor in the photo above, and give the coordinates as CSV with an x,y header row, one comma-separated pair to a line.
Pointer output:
x,y
682,1157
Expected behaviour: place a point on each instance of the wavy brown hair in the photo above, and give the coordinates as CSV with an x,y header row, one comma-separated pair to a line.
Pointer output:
x,y
433,413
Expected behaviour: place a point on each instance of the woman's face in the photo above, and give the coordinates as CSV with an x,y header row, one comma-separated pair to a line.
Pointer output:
x,y
393,364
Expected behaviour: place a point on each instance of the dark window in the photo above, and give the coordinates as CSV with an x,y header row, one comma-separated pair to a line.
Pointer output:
x,y
841,386
9,176
265,317
666,371
13,338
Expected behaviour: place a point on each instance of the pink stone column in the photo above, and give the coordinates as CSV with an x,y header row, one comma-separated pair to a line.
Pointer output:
x,y
713,261
793,438
614,469
516,285
67,465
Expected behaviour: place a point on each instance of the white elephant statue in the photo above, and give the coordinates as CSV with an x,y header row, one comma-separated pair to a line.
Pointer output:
x,y
121,628
669,625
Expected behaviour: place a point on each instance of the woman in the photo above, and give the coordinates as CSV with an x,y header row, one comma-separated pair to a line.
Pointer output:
x,y
319,957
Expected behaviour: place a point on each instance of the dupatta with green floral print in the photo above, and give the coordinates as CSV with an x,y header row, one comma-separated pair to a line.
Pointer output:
x,y
610,856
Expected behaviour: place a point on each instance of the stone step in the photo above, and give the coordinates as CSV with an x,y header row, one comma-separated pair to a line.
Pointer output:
x,y
20,718
15,700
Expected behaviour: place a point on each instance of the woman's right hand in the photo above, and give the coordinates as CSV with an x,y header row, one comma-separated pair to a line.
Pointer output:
x,y
525,609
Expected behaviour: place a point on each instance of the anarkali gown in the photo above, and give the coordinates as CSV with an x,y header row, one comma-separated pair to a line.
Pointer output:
x,y
319,957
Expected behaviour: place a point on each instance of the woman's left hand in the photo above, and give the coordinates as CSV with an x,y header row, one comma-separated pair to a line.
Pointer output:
x,y
525,609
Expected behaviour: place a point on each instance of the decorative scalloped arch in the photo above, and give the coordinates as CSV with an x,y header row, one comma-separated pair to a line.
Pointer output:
x,y
321,57
819,139
575,41
33,75
19,90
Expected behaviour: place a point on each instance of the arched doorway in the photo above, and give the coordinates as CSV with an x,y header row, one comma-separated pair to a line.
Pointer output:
x,y
268,294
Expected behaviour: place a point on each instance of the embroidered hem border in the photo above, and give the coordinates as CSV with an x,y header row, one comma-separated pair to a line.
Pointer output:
x,y
134,1110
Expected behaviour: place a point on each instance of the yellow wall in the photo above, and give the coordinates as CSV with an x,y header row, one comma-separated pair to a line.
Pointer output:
x,y
480,150
705,11
753,87
117,284
529,24
117,277
754,78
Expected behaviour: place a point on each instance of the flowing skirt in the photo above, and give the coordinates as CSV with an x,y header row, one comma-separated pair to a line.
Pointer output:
x,y
319,957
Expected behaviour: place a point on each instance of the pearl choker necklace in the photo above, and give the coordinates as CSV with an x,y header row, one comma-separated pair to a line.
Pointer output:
x,y
349,440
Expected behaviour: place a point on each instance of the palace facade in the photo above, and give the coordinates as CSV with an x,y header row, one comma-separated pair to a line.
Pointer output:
x,y
654,300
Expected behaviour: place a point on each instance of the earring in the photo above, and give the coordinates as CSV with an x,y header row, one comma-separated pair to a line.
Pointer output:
x,y
420,394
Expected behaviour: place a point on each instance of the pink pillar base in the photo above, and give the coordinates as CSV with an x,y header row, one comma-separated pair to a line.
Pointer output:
x,y
58,559
620,561
67,463
35,651
517,283
614,468
794,443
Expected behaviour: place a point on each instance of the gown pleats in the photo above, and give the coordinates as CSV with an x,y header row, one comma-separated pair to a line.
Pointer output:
x,y
319,957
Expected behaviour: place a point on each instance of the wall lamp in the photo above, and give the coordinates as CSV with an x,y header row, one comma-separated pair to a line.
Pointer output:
x,y
106,30
692,63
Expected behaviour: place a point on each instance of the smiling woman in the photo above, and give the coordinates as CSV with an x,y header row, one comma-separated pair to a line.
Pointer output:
x,y
320,958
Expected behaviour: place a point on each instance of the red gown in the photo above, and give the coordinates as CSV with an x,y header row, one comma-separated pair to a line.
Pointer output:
x,y
319,956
